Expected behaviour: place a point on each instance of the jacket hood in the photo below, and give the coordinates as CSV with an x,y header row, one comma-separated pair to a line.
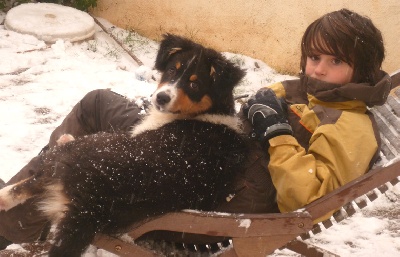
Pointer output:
x,y
329,92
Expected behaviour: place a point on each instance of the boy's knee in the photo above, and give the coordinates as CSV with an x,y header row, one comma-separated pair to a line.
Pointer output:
x,y
89,108
95,93
99,93
88,102
91,103
105,110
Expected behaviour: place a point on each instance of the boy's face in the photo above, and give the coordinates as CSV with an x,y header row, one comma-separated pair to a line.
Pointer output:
x,y
328,68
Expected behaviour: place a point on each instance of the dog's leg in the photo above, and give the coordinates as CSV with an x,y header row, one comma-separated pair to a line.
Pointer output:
x,y
74,234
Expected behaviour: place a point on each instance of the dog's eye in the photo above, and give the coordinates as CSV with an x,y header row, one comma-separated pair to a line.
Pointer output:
x,y
194,86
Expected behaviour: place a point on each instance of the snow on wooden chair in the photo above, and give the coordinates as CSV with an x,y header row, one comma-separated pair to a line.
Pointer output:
x,y
252,235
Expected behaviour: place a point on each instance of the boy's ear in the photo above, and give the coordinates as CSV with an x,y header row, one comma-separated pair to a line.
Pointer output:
x,y
170,45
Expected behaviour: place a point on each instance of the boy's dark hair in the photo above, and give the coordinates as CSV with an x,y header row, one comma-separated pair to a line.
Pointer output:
x,y
351,37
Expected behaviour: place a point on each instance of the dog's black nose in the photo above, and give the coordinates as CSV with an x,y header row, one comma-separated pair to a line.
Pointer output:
x,y
163,98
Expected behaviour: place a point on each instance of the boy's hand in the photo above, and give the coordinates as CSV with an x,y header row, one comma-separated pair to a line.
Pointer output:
x,y
268,116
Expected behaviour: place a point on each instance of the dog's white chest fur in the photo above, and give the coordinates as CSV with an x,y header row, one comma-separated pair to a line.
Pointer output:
x,y
156,119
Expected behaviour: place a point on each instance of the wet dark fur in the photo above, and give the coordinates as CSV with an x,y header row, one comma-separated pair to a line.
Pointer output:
x,y
111,181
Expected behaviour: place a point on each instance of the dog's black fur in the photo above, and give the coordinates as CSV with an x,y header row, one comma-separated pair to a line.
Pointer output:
x,y
106,182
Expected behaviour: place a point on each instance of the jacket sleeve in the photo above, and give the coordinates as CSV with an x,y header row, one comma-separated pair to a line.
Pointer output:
x,y
338,153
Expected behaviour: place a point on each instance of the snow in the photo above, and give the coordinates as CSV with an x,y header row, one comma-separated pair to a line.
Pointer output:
x,y
245,223
41,83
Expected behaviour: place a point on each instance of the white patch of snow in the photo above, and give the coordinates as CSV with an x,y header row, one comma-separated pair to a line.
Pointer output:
x,y
245,223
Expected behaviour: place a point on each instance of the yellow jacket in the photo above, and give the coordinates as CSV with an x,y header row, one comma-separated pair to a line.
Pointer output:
x,y
335,138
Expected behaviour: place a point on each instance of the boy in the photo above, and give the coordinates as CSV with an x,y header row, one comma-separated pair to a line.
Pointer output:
x,y
335,139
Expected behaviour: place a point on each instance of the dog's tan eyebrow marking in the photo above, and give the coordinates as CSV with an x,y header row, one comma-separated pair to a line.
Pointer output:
x,y
174,50
178,65
212,71
188,65
193,77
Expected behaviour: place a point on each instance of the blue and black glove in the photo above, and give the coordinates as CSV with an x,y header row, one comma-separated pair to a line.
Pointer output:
x,y
268,114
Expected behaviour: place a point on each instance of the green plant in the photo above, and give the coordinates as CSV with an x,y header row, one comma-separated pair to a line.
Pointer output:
x,y
5,5
83,5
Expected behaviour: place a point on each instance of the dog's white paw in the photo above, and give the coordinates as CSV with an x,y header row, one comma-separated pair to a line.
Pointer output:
x,y
6,200
62,140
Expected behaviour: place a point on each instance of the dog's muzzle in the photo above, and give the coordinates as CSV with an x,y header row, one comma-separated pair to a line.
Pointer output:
x,y
162,98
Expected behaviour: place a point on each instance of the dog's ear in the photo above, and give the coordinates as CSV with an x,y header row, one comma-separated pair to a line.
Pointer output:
x,y
225,73
170,45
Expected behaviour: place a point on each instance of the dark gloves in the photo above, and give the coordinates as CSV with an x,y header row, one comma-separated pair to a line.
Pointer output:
x,y
268,115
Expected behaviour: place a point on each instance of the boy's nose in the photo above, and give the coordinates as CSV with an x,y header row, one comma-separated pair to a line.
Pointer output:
x,y
320,69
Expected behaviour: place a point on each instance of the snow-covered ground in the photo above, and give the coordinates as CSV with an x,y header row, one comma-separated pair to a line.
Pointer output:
x,y
39,85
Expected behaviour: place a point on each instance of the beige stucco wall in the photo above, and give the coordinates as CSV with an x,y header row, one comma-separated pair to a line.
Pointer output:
x,y
269,30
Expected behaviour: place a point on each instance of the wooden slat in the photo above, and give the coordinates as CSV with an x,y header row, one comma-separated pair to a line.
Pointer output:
x,y
230,225
372,195
260,246
327,223
361,203
316,229
230,252
396,80
121,248
308,250
385,112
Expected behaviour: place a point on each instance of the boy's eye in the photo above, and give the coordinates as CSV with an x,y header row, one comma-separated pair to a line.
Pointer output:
x,y
314,57
336,61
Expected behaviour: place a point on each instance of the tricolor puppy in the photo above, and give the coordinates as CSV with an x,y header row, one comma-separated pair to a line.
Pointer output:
x,y
184,155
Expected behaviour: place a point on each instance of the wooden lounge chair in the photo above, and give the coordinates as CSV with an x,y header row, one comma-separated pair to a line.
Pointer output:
x,y
253,235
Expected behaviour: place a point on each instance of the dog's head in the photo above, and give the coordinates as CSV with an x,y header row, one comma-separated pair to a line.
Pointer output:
x,y
194,79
